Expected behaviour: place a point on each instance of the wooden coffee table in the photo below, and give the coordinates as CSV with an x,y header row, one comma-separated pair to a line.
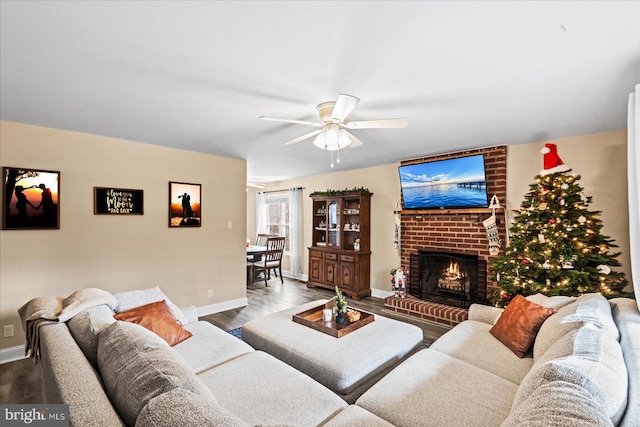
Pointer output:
x,y
348,365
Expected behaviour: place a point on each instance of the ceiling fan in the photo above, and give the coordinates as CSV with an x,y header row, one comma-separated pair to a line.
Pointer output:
x,y
333,134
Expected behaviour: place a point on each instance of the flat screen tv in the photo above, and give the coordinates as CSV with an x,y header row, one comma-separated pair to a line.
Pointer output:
x,y
441,184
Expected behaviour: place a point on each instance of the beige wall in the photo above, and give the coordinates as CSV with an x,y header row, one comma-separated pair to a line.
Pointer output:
x,y
118,253
600,159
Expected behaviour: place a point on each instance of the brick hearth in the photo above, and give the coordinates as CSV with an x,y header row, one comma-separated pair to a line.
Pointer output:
x,y
427,310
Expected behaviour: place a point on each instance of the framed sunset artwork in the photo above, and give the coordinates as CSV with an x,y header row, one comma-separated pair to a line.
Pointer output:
x,y
184,205
31,199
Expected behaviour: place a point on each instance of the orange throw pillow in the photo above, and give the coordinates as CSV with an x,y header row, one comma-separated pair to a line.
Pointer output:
x,y
518,325
157,317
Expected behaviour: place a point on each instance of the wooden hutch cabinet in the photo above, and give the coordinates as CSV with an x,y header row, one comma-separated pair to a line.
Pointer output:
x,y
340,253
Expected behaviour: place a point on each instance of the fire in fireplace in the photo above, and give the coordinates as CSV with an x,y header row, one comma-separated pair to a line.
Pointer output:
x,y
448,278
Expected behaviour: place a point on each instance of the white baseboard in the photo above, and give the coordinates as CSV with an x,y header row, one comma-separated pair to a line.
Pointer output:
x,y
205,310
12,354
377,293
302,277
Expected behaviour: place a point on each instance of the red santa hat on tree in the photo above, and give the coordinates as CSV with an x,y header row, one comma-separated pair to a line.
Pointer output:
x,y
552,161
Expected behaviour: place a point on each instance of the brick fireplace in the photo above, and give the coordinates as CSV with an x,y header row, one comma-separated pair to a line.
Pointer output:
x,y
451,231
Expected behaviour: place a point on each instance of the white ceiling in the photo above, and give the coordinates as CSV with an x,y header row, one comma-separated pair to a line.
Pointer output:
x,y
196,75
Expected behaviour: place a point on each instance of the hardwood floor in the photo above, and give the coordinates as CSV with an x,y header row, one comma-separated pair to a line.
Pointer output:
x,y
275,297
20,381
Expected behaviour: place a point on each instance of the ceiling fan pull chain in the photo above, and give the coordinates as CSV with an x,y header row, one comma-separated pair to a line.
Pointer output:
x,y
332,159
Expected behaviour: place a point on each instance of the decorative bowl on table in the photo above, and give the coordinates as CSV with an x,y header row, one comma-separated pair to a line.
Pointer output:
x,y
353,316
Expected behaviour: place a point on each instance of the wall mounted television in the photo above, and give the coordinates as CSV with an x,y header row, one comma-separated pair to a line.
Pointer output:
x,y
442,184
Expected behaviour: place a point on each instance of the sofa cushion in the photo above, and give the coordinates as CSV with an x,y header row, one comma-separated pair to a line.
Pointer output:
x,y
558,403
157,317
209,346
355,416
627,317
590,358
591,308
132,299
433,389
556,302
263,390
136,365
519,323
67,376
85,327
182,408
470,341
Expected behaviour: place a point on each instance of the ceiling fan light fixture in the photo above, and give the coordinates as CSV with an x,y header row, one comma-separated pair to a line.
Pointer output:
x,y
332,138
319,141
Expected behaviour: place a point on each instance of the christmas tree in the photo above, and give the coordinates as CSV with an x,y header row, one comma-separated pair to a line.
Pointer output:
x,y
556,247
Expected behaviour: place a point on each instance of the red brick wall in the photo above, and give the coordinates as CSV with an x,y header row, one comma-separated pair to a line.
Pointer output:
x,y
461,231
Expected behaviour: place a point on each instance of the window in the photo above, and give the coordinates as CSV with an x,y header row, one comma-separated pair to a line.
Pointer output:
x,y
277,218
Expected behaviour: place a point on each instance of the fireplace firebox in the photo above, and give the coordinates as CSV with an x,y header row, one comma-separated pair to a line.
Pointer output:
x,y
454,279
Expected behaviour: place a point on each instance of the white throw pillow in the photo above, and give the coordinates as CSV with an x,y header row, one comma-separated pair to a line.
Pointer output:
x,y
132,299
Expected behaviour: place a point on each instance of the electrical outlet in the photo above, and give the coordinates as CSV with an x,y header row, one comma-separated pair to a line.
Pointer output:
x,y
229,225
209,294
7,331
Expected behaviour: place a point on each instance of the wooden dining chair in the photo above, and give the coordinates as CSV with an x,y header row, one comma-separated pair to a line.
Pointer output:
x,y
261,240
272,259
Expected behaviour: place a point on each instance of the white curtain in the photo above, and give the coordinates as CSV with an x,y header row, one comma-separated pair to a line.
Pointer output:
x,y
633,167
295,230
261,213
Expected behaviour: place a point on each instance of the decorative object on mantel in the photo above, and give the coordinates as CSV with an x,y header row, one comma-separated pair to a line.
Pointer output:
x,y
31,199
556,247
328,193
398,225
491,225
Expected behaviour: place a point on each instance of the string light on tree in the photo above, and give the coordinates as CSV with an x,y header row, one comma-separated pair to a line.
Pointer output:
x,y
556,245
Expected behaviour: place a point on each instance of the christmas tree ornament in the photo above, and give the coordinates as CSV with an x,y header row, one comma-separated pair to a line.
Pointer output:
x,y
542,206
541,238
582,219
546,265
603,269
565,186
552,221
561,201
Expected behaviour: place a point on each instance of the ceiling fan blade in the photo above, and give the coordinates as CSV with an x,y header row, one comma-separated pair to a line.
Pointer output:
x,y
298,122
303,137
344,106
378,124
355,142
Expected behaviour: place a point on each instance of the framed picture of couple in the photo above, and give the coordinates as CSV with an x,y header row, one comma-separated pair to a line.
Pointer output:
x,y
31,199
184,205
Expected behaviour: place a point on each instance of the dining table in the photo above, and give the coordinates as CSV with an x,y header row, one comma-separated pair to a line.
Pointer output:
x,y
254,253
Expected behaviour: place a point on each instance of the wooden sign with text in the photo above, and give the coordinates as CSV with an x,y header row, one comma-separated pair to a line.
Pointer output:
x,y
117,201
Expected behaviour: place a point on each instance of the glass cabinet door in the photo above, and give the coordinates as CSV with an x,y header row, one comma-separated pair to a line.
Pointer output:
x,y
333,211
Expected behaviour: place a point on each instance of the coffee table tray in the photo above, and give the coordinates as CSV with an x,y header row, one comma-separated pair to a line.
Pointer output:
x,y
313,319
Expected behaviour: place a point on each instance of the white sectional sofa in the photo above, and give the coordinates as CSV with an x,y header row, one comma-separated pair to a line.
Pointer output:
x,y
584,370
